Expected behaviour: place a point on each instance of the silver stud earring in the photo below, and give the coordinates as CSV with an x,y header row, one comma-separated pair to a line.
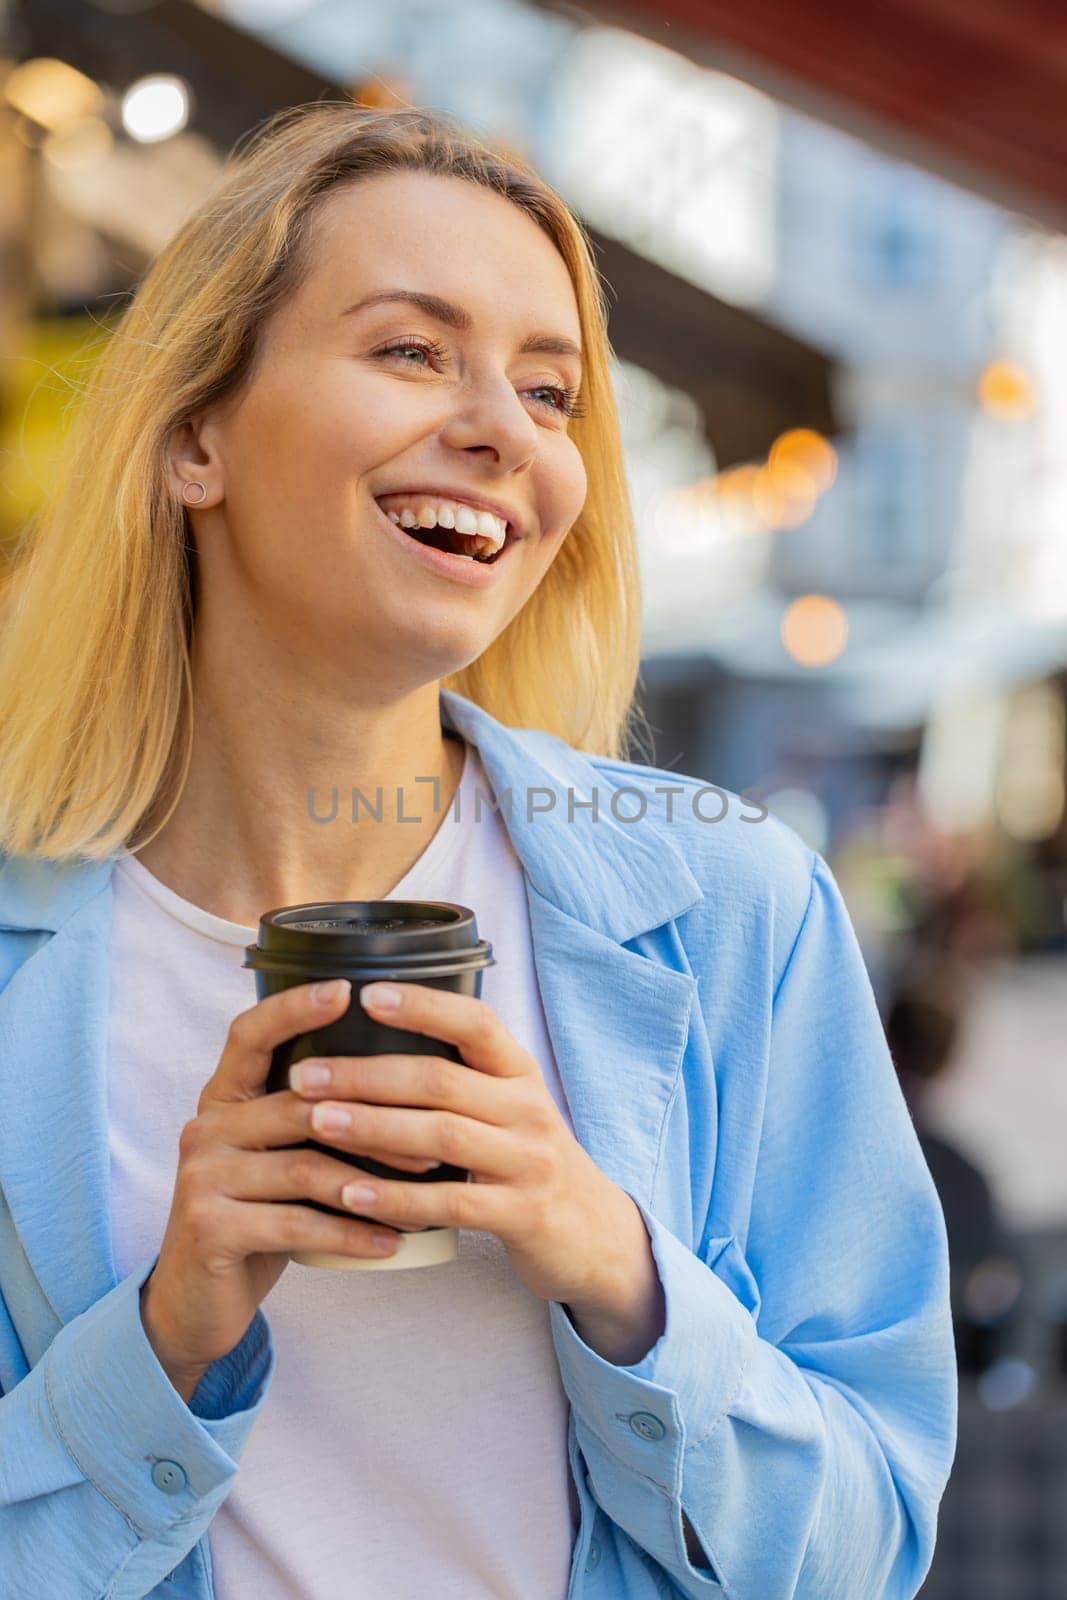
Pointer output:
x,y
202,496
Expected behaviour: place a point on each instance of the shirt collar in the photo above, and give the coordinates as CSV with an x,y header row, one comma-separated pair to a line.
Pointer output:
x,y
619,877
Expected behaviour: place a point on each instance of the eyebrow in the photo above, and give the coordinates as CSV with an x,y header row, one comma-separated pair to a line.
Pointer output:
x,y
552,344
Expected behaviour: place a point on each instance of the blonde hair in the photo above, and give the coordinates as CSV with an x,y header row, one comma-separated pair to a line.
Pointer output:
x,y
98,607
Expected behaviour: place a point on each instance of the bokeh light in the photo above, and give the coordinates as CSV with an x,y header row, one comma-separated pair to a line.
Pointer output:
x,y
814,630
51,92
156,107
1004,390
805,451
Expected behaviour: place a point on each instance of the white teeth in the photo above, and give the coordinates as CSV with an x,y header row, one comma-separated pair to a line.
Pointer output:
x,y
490,531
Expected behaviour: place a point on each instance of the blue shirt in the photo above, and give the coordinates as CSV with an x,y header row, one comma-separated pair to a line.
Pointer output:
x,y
724,1064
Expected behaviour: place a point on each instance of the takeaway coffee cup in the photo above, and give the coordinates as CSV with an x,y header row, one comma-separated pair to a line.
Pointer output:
x,y
430,942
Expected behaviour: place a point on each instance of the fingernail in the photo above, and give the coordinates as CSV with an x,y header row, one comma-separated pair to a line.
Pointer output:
x,y
330,1119
309,1075
382,996
326,993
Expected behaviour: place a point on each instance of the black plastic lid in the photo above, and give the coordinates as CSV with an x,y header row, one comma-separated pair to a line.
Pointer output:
x,y
434,937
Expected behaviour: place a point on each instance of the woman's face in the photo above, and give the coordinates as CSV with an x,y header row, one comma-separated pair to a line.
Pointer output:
x,y
347,405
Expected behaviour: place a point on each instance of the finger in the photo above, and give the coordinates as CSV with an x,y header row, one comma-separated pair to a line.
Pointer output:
x,y
285,1229
429,1081
411,1207
273,1121
477,1032
459,1141
300,1174
253,1035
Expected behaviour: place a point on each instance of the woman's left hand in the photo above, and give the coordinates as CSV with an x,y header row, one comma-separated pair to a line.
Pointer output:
x,y
532,1184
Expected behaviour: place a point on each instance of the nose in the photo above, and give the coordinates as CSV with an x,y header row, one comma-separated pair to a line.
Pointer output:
x,y
490,415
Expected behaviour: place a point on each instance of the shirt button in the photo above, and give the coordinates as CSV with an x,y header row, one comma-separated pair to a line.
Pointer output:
x,y
169,1476
592,1560
646,1426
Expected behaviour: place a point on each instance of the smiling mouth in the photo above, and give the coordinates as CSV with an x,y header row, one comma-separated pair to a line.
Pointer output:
x,y
451,542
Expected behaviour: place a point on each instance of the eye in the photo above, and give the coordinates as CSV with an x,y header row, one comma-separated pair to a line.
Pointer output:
x,y
568,400
567,405
424,349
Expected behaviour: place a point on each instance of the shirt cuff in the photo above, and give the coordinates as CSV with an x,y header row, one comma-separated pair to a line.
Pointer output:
x,y
647,1413
128,1429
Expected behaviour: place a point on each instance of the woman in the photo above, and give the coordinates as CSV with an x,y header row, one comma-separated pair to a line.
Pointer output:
x,y
697,1340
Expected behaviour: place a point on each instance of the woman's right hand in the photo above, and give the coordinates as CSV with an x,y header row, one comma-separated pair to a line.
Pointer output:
x,y
226,1245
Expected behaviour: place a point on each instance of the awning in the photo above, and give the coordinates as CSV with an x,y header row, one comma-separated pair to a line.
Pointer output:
x,y
973,90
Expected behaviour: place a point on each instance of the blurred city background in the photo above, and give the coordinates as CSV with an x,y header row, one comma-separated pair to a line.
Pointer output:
x,y
835,244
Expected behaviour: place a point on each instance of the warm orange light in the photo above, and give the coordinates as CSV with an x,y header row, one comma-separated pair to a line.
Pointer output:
x,y
814,630
736,483
768,498
384,91
733,492
51,92
808,451
797,488
1005,390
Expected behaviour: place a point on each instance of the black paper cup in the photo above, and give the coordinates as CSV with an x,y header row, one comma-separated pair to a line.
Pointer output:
x,y
430,942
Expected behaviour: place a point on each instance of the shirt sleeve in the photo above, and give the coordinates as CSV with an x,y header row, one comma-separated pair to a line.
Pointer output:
x,y
800,1405
107,1477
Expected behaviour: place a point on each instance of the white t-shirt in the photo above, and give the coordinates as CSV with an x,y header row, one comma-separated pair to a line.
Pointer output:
x,y
414,1440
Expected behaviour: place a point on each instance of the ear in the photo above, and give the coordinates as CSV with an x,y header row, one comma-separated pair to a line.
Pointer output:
x,y
193,456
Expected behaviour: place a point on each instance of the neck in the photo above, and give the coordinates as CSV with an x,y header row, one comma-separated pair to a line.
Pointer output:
x,y
265,818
